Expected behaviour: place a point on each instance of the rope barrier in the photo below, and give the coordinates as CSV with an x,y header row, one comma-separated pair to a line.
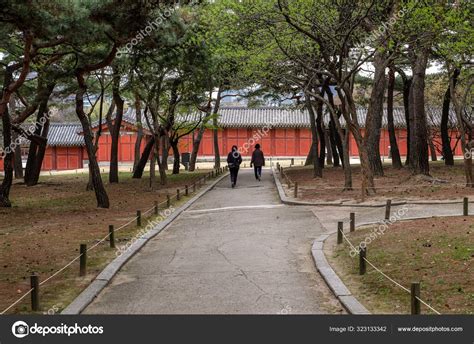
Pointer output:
x,y
388,277
16,302
79,256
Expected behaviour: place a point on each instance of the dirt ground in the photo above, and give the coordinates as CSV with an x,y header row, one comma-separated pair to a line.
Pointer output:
x,y
447,183
438,252
47,223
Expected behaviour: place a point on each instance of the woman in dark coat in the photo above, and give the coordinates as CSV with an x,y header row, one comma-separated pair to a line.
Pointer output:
x,y
234,159
258,160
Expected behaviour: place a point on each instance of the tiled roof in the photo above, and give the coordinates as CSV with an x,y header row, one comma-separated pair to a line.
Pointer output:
x,y
65,134
239,117
70,134
59,134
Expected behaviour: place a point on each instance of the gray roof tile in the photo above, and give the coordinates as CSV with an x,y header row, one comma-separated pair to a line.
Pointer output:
x,y
65,134
70,134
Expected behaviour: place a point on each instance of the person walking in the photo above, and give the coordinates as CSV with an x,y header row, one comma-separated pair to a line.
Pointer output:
x,y
258,160
234,159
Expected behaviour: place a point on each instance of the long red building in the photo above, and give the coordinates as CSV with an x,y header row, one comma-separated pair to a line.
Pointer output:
x,y
281,133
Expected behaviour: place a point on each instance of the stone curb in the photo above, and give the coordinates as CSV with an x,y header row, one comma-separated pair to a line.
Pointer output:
x,y
350,303
333,281
338,287
103,279
286,200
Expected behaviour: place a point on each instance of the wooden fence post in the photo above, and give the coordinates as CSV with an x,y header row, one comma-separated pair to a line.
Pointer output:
x,y
362,262
340,229
466,207
388,207
415,295
352,222
83,260
156,208
111,236
34,282
296,190
168,201
186,190
139,218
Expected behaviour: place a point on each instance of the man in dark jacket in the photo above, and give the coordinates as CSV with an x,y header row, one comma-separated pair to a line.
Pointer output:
x,y
234,159
258,160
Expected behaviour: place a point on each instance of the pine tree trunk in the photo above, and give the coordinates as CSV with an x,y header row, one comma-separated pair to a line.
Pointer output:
x,y
466,132
350,115
18,163
138,173
321,136
17,158
329,160
7,161
217,154
317,171
37,151
373,124
345,152
161,167
176,156
309,156
36,169
99,189
445,138
165,149
115,129
196,144
406,105
335,148
215,137
394,151
434,156
419,162
138,142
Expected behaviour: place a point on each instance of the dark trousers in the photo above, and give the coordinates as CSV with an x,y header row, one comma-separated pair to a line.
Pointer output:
x,y
258,171
234,171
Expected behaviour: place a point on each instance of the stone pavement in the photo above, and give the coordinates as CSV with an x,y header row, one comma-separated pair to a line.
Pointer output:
x,y
235,251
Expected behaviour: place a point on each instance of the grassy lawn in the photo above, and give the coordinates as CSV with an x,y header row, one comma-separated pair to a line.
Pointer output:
x,y
43,230
438,252
396,184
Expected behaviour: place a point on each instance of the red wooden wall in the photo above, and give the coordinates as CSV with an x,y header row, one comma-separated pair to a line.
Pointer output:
x,y
288,142
126,151
63,158
276,142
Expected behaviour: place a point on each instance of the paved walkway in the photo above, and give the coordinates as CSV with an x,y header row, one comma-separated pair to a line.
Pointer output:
x,y
235,251
328,216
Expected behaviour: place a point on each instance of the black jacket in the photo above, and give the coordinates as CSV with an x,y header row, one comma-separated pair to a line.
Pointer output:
x,y
234,160
258,159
